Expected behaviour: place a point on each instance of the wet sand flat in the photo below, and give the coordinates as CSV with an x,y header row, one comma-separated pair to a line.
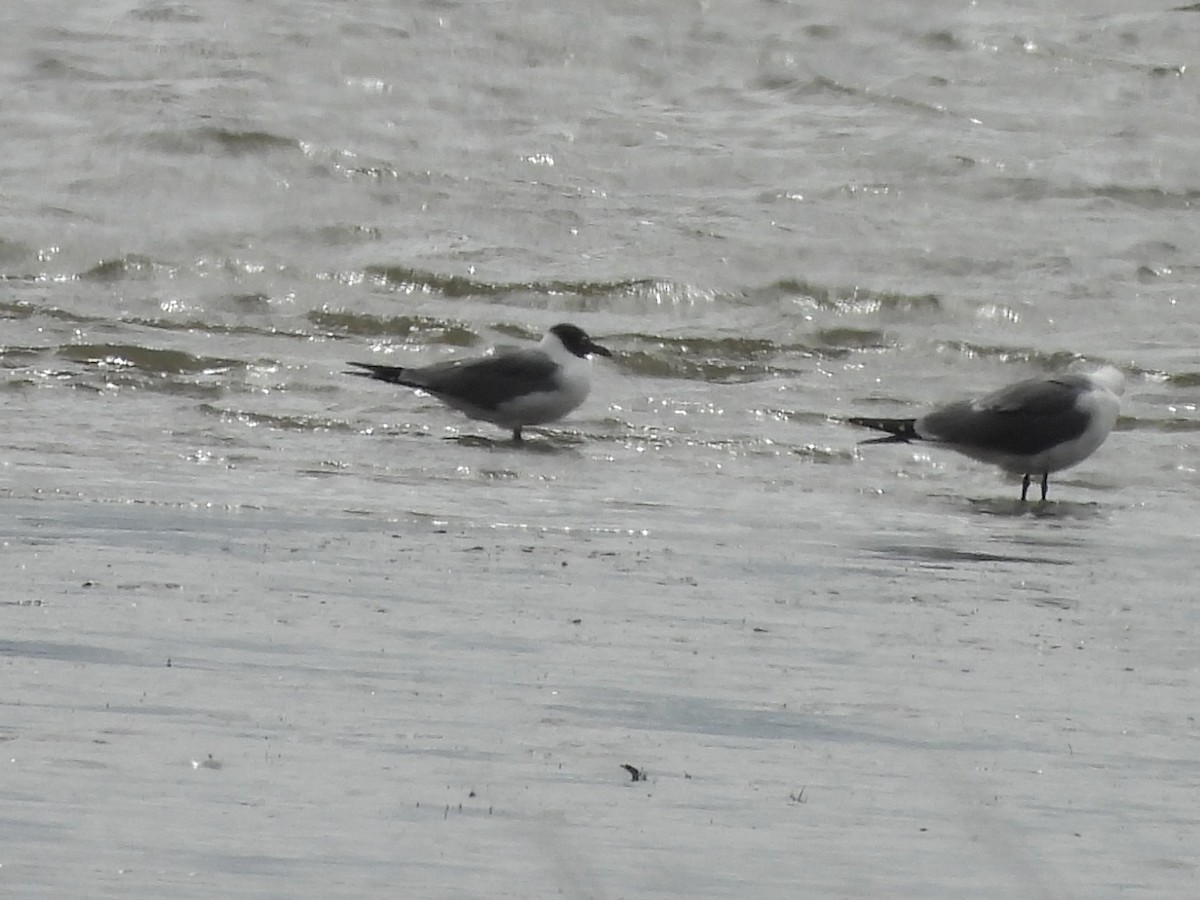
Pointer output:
x,y
243,702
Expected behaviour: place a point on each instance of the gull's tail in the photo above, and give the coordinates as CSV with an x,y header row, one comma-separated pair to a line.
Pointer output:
x,y
899,430
392,374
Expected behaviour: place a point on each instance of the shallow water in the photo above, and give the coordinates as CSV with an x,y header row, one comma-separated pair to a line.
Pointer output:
x,y
270,630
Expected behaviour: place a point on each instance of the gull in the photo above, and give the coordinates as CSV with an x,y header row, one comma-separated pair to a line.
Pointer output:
x,y
1030,428
512,389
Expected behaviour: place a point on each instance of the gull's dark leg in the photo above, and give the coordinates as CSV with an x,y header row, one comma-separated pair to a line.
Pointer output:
x,y
1045,485
517,435
1024,487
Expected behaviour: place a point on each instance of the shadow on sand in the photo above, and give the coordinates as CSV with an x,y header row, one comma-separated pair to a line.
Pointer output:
x,y
533,442
1038,509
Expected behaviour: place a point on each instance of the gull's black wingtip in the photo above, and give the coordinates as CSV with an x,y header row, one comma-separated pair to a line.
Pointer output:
x,y
900,431
392,374
368,367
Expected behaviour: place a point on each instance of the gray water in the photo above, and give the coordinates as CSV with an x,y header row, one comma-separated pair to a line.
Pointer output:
x,y
267,630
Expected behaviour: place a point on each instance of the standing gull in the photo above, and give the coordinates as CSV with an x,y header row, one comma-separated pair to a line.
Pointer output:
x,y
528,386
1030,428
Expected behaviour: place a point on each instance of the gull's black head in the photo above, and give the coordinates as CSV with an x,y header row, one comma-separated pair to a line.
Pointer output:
x,y
576,340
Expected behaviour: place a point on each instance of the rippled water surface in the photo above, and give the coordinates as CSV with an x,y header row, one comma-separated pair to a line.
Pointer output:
x,y
272,631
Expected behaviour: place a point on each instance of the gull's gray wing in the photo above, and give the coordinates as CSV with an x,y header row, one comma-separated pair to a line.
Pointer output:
x,y
1024,418
487,382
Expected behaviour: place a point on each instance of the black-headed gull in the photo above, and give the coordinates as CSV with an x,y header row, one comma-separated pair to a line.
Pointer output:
x,y
513,388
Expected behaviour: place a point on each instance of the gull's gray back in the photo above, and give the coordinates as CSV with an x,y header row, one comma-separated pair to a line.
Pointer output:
x,y
488,382
1024,418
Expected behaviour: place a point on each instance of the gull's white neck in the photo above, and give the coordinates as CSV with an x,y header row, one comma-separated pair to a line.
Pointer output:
x,y
553,347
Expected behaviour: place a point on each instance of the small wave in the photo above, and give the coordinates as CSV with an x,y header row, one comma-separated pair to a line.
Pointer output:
x,y
691,368
201,326
409,280
18,309
1172,425
941,39
738,359
1140,196
227,141
279,422
347,234
840,341
165,12
854,300
147,359
15,357
824,455
1057,361
432,330
129,266
1184,379
884,98
1147,197
243,143
713,359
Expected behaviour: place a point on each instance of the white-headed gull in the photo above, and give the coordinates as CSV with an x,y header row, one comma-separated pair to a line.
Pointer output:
x,y
1030,428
